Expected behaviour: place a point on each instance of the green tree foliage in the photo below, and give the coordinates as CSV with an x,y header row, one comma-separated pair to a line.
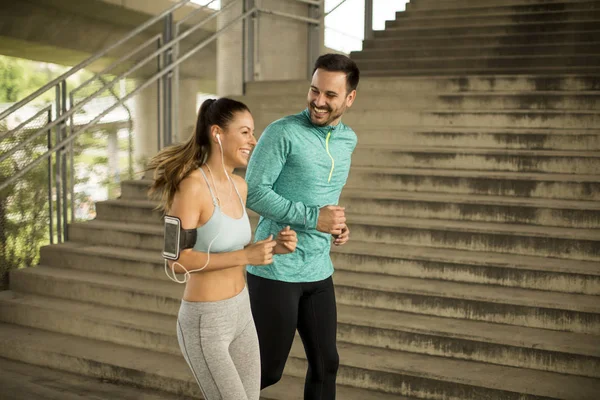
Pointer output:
x,y
24,208
24,216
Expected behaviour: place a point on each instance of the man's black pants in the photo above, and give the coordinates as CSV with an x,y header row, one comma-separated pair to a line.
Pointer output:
x,y
279,308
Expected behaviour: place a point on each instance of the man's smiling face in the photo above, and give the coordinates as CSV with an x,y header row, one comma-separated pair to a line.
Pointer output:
x,y
328,97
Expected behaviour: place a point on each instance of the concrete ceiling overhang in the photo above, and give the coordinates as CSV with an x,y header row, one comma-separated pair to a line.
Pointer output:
x,y
69,31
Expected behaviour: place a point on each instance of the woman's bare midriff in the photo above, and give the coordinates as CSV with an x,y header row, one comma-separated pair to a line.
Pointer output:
x,y
215,285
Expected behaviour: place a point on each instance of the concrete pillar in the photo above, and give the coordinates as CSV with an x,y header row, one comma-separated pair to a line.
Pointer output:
x,y
282,42
145,126
113,162
229,52
145,122
186,109
281,46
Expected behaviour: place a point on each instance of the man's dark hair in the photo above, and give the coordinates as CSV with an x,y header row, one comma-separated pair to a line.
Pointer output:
x,y
340,63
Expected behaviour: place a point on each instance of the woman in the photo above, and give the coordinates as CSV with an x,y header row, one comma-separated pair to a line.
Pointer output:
x,y
195,181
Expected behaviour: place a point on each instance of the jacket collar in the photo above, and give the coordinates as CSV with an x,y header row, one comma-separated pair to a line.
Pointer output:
x,y
324,130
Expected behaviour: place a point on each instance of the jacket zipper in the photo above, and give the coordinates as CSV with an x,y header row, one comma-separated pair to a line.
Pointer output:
x,y
330,156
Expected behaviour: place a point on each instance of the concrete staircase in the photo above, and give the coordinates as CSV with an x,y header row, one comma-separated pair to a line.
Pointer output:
x,y
473,271
452,37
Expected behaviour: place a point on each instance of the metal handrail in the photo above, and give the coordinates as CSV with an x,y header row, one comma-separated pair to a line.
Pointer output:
x,y
74,108
290,16
90,60
62,144
335,8
125,57
190,15
311,2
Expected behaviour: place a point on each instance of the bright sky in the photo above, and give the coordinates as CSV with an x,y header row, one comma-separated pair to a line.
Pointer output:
x,y
345,26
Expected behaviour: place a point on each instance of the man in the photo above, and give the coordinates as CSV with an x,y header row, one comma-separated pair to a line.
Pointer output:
x,y
295,178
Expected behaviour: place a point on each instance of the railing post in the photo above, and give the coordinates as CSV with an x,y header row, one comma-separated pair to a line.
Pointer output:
x,y
64,171
72,160
50,208
167,83
159,99
175,85
249,41
57,167
368,19
315,37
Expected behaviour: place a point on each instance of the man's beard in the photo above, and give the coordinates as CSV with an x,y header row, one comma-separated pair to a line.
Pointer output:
x,y
332,116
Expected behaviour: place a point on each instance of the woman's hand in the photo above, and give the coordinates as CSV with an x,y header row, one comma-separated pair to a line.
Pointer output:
x,y
286,241
343,237
261,252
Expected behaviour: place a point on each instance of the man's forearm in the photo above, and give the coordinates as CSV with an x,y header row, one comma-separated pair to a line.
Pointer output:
x,y
275,207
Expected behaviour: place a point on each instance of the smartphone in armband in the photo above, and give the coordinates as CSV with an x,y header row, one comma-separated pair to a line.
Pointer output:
x,y
172,238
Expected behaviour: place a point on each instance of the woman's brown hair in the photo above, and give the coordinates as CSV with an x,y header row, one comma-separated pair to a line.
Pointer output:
x,y
174,163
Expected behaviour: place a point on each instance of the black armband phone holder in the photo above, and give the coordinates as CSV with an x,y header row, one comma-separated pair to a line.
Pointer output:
x,y
176,238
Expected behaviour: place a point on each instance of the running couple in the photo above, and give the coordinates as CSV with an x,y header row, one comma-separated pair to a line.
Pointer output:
x,y
236,338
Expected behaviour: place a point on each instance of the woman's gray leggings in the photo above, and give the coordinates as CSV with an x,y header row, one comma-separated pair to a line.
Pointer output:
x,y
219,342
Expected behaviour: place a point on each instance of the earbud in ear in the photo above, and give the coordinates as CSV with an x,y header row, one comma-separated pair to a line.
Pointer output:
x,y
218,136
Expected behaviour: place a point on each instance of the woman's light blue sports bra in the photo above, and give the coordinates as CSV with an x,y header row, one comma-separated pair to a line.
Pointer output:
x,y
234,234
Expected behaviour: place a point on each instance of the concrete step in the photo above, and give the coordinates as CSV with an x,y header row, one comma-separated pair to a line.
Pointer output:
x,y
429,377
134,190
126,210
292,388
110,260
491,29
540,349
573,214
21,381
98,359
486,268
497,18
158,296
542,241
377,86
376,119
130,366
484,50
499,344
516,8
494,61
487,303
405,374
511,270
483,40
484,138
451,5
126,234
131,328
566,162
508,270
548,186
542,100
483,71
526,211
512,306
259,104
